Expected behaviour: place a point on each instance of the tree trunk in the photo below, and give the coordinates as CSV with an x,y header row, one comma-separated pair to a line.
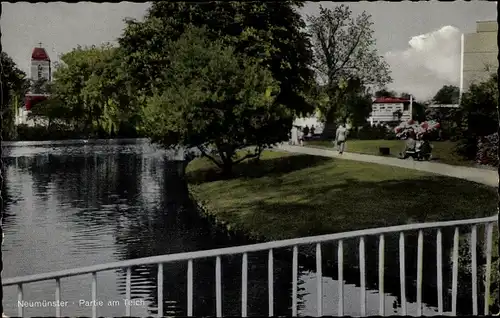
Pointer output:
x,y
227,168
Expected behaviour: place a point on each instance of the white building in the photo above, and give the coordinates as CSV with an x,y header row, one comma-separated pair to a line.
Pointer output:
x,y
310,121
387,109
479,54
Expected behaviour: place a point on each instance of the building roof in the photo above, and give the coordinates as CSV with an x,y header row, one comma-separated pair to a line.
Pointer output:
x,y
390,100
39,54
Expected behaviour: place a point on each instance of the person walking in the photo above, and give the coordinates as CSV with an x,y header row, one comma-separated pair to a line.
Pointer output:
x,y
300,136
340,138
293,135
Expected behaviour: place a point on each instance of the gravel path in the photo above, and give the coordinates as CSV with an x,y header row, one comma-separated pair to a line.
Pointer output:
x,y
484,176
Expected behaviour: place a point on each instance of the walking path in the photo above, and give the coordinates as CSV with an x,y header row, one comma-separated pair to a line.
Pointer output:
x,y
484,176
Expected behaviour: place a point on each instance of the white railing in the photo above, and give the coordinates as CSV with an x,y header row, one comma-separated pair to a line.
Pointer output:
x,y
295,243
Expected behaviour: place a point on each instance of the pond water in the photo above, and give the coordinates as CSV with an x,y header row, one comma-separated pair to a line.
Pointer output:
x,y
70,205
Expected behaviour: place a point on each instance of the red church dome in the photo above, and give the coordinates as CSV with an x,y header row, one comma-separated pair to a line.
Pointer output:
x,y
39,54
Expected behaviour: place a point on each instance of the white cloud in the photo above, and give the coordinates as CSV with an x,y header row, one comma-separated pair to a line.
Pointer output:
x,y
431,61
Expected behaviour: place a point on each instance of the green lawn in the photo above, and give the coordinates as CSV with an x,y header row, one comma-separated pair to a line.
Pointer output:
x,y
286,195
443,150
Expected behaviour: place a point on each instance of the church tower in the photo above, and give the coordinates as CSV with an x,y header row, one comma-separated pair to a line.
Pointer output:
x,y
40,64
40,69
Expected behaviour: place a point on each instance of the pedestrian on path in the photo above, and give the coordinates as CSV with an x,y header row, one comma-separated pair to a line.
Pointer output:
x,y
293,135
300,136
340,138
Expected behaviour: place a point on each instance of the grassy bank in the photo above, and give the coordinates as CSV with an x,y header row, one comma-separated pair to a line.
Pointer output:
x,y
286,195
443,150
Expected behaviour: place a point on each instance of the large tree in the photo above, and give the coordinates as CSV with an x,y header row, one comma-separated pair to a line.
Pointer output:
x,y
89,91
479,106
384,92
14,85
478,113
217,100
448,94
346,58
272,32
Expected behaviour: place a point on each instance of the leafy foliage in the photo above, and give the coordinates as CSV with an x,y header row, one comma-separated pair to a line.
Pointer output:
x,y
385,93
39,86
214,99
449,119
270,32
88,92
14,85
487,150
375,132
478,115
448,94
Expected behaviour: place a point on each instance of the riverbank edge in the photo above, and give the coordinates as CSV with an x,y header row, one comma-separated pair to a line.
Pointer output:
x,y
227,227
232,228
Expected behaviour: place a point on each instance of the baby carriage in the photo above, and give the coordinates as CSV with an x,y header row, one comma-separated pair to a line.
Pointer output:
x,y
422,151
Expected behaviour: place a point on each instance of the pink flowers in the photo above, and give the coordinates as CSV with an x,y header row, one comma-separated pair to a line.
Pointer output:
x,y
419,129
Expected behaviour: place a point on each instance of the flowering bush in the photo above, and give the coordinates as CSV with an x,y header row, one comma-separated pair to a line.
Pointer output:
x,y
487,148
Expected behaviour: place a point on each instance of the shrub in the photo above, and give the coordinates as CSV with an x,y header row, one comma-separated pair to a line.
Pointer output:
x,y
368,132
487,148
478,120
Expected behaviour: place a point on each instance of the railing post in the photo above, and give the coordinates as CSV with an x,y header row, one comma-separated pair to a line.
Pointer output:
x,y
58,297
319,281
420,254
270,282
160,290
402,274
362,275
218,287
340,272
487,281
244,284
94,295
20,309
190,288
295,268
473,255
128,287
439,269
381,265
454,282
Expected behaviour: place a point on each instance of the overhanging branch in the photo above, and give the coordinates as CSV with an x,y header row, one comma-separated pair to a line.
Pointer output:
x,y
205,154
247,156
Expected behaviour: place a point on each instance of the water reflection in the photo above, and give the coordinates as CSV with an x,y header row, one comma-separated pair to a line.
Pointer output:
x,y
78,205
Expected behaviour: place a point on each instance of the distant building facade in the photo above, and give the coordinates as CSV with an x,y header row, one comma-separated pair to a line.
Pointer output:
x,y
480,53
388,109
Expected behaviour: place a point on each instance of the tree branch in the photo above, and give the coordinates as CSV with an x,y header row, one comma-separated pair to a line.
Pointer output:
x,y
348,57
247,156
205,154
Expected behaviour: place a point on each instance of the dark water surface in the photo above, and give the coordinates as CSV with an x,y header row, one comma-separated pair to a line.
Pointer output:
x,y
74,205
